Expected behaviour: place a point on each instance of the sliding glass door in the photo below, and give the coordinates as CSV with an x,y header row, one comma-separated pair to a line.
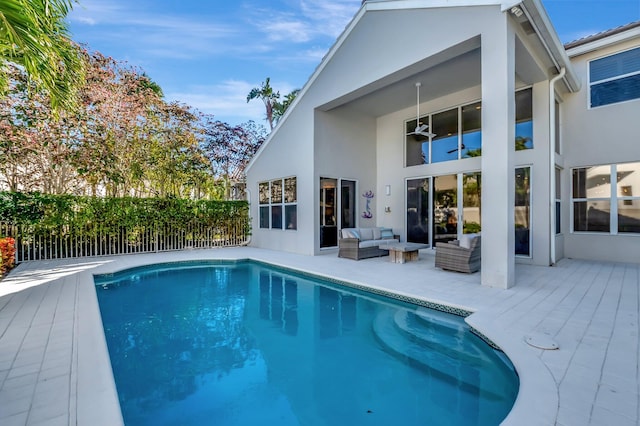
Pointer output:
x,y
418,210
445,208
347,204
471,196
436,212
337,209
328,211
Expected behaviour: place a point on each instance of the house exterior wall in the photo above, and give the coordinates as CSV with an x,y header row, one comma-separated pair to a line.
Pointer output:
x,y
292,155
329,134
598,136
345,149
308,143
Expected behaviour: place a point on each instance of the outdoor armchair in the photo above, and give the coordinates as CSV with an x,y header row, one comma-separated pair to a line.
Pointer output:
x,y
455,256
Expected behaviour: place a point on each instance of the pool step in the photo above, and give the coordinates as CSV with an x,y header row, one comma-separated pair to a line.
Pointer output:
x,y
440,332
440,358
475,345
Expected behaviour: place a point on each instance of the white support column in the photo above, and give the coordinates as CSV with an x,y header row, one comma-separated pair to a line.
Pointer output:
x,y
498,133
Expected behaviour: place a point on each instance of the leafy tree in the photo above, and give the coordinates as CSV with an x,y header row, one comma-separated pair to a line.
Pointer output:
x,y
230,148
176,163
33,143
34,35
268,96
274,108
122,140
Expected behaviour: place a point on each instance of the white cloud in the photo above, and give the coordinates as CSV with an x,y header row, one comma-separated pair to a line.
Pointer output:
x,y
329,17
310,19
86,20
227,101
95,12
155,34
287,29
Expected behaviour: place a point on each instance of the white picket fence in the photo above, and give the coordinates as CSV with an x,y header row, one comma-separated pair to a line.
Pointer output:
x,y
34,244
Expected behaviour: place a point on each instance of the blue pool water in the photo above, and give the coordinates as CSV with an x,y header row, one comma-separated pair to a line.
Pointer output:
x,y
246,344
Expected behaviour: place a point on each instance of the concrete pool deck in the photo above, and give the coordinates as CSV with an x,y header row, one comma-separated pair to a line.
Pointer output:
x,y
55,369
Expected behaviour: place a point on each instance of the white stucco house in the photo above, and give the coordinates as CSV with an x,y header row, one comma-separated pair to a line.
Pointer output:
x,y
534,143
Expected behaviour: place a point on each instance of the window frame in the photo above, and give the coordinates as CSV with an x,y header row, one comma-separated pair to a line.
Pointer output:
x,y
428,118
558,200
606,80
283,205
613,200
529,216
515,124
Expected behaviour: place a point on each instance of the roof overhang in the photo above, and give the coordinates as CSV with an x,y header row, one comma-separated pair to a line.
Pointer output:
x,y
606,38
541,24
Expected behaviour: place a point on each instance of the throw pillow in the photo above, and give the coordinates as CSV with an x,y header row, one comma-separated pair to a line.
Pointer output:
x,y
350,233
376,233
466,239
386,233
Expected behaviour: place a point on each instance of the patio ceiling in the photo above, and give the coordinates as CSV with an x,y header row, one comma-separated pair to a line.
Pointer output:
x,y
450,71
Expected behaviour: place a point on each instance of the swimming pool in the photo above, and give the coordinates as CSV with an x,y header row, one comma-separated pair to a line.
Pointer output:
x,y
241,343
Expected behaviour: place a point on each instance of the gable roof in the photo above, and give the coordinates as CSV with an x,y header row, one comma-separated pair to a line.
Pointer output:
x,y
533,9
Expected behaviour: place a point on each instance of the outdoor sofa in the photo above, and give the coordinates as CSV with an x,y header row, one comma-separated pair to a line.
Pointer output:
x,y
362,243
459,255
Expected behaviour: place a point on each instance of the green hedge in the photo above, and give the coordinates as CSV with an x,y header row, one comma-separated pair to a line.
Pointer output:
x,y
85,215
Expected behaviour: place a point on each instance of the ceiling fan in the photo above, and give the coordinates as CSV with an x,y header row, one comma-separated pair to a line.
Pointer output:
x,y
451,151
421,129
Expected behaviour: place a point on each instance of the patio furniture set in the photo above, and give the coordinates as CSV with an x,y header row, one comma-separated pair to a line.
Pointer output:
x,y
361,243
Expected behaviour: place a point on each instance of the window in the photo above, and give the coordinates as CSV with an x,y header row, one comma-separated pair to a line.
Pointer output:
x,y
417,145
457,135
263,189
603,198
615,78
472,196
557,126
278,204
523,211
628,197
592,199
524,119
471,130
558,200
444,145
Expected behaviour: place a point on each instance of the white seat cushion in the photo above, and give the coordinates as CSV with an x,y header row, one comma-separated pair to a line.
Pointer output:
x,y
376,243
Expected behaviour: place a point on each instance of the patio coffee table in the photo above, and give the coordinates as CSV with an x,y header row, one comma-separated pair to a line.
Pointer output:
x,y
403,252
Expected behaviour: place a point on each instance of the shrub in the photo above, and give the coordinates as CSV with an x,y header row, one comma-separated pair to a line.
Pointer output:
x,y
56,226
8,253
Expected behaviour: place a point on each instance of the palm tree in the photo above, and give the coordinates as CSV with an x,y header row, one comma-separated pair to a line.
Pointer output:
x,y
268,96
280,108
35,36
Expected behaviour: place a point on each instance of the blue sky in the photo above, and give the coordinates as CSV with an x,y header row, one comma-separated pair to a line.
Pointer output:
x,y
210,53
